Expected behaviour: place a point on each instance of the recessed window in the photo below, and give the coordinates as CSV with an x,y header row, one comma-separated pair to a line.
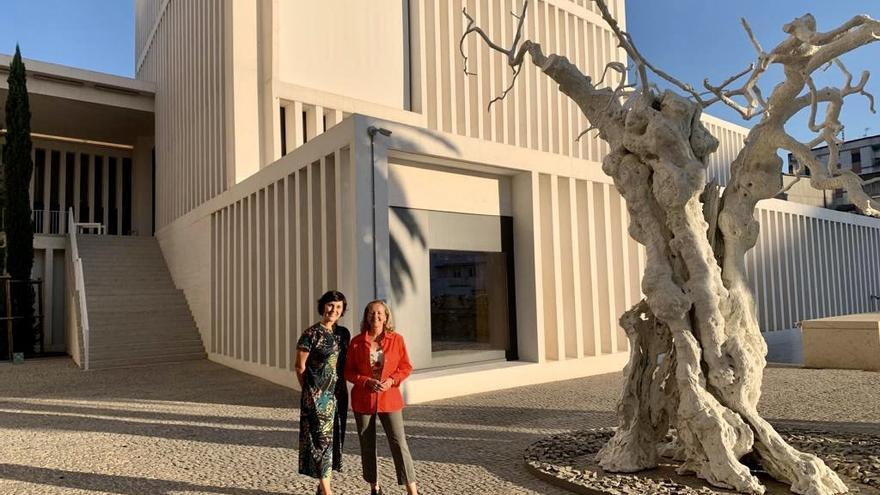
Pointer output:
x,y
469,301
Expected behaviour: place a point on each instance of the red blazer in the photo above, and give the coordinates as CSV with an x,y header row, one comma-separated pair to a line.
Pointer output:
x,y
358,371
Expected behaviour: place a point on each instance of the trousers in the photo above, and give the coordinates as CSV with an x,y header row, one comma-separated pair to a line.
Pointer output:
x,y
392,423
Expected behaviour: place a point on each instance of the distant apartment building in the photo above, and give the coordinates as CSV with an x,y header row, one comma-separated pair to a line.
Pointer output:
x,y
861,155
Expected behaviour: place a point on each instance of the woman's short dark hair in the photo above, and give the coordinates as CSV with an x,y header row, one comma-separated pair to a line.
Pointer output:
x,y
332,296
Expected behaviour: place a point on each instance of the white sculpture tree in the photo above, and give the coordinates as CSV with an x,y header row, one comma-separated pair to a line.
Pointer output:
x,y
697,355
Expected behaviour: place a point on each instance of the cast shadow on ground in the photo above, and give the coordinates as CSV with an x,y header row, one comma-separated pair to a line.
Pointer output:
x,y
130,414
272,438
122,485
835,427
197,382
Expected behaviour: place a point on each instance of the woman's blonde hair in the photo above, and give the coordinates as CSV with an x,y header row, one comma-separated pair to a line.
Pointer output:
x,y
389,321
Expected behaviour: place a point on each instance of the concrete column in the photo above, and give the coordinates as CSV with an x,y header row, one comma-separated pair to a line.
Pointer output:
x,y
243,90
270,105
62,192
142,186
361,190
48,284
528,266
314,121
293,126
380,215
91,193
47,185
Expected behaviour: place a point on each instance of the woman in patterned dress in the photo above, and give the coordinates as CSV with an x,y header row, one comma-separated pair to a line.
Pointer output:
x,y
320,357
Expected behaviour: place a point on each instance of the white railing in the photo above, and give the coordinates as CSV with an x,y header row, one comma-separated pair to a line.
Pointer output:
x,y
48,222
79,312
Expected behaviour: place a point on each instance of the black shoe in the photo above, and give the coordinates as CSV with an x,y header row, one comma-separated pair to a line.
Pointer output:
x,y
376,492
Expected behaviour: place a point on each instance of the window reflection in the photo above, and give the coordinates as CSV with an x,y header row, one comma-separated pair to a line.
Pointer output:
x,y
469,307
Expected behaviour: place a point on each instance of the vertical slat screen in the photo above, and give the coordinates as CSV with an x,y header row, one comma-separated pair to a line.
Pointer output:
x,y
804,267
274,252
180,48
534,114
64,177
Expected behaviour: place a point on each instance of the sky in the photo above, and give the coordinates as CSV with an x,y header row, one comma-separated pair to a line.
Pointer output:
x,y
691,39
696,39
96,35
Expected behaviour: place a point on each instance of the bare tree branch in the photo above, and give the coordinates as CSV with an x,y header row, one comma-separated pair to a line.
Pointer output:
x,y
514,59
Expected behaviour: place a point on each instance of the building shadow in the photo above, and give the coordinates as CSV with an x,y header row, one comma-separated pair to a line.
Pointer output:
x,y
842,427
271,438
122,485
128,414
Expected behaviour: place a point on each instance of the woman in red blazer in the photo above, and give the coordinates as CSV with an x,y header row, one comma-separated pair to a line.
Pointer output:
x,y
377,363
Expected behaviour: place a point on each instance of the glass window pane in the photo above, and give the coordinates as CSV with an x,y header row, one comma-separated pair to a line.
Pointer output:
x,y
469,307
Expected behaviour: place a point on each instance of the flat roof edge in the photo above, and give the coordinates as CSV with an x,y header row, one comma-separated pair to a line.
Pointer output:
x,y
72,75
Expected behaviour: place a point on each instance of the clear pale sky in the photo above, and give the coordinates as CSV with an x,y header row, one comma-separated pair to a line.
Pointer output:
x,y
696,39
691,39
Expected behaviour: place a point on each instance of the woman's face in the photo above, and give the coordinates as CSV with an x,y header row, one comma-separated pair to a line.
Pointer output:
x,y
376,316
332,311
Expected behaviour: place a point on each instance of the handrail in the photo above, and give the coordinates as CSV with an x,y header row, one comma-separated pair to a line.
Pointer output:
x,y
48,221
80,289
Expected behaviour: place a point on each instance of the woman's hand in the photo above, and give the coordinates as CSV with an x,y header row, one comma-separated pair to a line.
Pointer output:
x,y
377,386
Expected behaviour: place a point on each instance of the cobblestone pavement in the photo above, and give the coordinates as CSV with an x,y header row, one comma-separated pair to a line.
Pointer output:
x,y
201,428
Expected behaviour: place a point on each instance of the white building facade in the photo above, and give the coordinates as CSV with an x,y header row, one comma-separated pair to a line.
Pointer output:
x,y
499,243
494,235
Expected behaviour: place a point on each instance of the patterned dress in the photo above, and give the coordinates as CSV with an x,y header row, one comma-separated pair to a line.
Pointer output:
x,y
318,403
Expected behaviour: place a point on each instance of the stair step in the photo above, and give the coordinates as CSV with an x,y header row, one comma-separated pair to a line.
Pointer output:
x,y
145,348
109,290
171,297
122,274
131,319
133,326
130,282
108,240
107,339
135,306
131,361
92,279
122,263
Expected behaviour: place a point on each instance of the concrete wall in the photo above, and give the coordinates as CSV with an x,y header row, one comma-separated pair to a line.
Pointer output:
x,y
350,48
254,260
802,192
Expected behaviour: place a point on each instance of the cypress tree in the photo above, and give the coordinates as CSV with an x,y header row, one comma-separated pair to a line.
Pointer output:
x,y
19,229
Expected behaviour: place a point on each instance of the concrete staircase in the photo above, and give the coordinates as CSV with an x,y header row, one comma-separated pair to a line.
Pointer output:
x,y
136,315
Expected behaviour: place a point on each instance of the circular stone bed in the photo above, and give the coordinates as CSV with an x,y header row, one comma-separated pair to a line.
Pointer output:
x,y
568,461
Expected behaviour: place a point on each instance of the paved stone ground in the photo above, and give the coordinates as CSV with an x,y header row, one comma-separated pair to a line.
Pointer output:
x,y
200,428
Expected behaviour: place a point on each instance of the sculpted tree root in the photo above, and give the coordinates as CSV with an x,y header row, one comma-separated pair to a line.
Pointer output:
x,y
696,351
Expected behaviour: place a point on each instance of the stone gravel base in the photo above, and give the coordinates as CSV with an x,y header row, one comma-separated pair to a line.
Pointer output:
x,y
568,461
